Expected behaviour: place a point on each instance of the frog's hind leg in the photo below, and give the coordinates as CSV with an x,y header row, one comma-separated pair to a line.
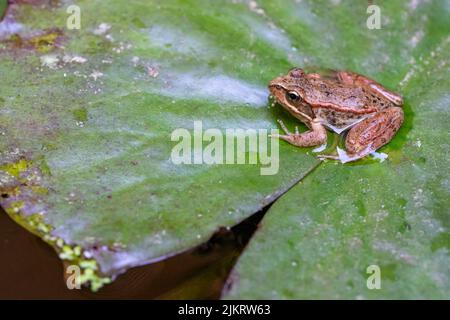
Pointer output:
x,y
352,78
371,134
314,137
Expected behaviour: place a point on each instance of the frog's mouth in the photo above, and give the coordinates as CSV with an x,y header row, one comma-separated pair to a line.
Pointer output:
x,y
279,97
277,90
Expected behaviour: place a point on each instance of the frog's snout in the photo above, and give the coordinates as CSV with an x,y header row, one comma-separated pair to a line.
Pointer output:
x,y
275,85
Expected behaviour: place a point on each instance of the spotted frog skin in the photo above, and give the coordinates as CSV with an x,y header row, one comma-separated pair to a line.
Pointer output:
x,y
344,101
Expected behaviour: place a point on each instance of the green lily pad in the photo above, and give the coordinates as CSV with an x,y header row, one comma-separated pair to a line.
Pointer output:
x,y
3,7
87,116
327,235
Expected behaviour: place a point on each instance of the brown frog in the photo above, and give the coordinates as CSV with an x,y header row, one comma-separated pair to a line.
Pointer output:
x,y
342,101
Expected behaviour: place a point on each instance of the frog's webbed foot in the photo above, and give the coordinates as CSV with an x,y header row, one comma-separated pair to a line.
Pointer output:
x,y
316,136
352,78
327,156
345,157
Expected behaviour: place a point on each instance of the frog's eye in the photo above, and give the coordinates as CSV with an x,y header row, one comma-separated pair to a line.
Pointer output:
x,y
293,96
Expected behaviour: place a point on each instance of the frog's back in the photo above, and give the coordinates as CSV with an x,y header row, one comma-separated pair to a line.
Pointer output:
x,y
342,106
331,93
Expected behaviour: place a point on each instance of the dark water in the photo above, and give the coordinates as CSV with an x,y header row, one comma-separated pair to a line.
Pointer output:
x,y
30,269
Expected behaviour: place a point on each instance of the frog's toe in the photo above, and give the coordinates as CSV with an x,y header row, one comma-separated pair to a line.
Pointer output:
x,y
285,137
327,156
283,126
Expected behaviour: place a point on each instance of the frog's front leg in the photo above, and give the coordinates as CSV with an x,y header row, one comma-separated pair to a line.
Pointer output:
x,y
352,78
314,137
371,134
